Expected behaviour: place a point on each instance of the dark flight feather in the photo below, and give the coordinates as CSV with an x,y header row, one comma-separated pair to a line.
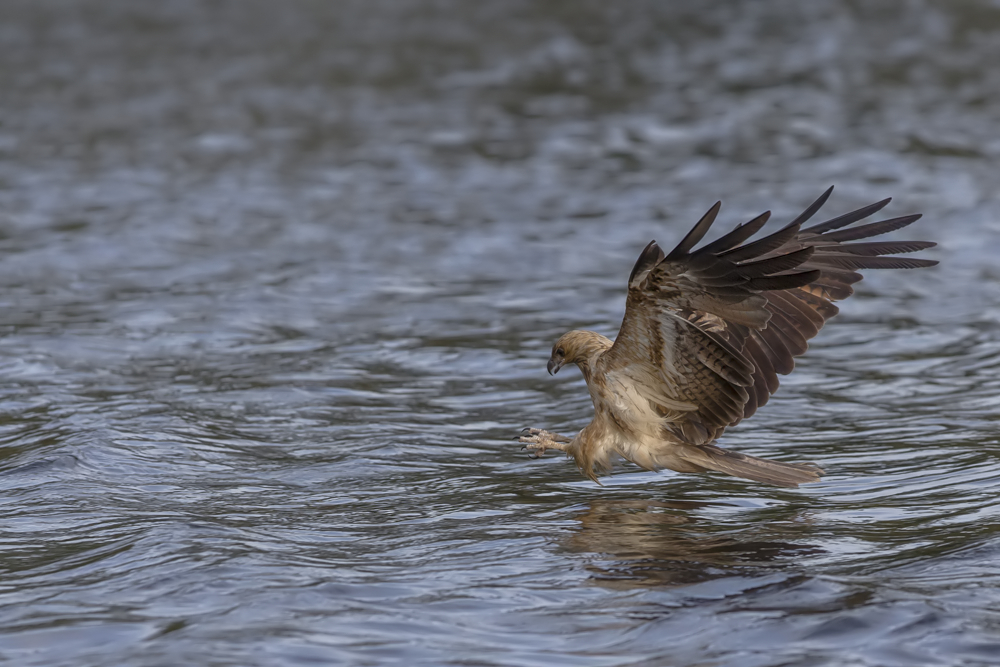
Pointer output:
x,y
696,234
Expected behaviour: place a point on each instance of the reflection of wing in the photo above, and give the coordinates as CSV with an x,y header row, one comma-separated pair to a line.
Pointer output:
x,y
706,332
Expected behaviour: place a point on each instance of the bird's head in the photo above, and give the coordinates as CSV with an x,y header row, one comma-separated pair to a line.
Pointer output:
x,y
576,347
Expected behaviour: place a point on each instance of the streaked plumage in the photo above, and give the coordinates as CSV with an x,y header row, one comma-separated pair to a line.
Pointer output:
x,y
706,333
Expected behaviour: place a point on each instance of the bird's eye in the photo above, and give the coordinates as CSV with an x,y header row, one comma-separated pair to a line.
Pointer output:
x,y
561,352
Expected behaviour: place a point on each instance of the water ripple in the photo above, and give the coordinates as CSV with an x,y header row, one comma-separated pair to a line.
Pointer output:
x,y
278,287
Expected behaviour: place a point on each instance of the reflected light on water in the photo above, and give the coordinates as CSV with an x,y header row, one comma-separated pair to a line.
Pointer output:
x,y
278,282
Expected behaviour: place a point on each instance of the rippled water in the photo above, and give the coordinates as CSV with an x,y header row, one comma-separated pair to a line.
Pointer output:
x,y
278,283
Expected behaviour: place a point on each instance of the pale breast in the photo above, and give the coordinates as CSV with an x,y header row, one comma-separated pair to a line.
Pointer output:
x,y
631,411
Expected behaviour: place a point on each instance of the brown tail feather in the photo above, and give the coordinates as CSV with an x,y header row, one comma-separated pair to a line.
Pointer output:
x,y
751,467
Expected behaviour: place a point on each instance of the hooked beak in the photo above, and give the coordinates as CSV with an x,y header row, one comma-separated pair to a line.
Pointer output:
x,y
553,366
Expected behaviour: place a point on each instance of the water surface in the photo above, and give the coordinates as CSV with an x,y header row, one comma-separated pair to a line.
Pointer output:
x,y
278,282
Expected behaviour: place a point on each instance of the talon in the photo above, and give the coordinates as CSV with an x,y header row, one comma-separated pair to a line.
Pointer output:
x,y
536,441
536,451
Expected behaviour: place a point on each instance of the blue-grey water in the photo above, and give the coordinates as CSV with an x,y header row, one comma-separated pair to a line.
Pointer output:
x,y
278,282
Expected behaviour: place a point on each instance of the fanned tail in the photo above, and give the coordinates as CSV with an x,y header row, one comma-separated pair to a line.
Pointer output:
x,y
751,467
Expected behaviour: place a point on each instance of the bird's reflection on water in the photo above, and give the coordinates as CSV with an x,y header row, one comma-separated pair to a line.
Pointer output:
x,y
642,543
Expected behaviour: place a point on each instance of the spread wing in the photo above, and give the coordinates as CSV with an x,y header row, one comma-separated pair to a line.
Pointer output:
x,y
707,332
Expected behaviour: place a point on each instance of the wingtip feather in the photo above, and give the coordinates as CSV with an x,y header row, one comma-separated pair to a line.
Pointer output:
x,y
811,210
697,232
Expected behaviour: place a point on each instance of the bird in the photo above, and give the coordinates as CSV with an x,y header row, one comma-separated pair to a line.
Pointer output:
x,y
706,333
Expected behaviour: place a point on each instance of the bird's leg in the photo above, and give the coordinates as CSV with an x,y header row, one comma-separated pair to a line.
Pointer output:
x,y
536,441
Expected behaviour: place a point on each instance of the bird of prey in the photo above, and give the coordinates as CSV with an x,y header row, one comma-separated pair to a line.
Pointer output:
x,y
706,333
